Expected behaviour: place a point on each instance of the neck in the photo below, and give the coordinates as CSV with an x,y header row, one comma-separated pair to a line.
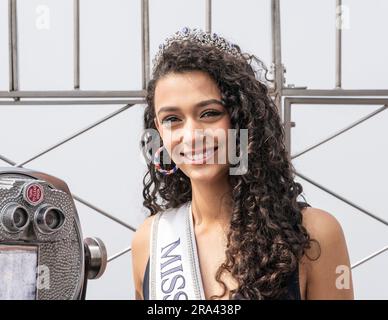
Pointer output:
x,y
211,203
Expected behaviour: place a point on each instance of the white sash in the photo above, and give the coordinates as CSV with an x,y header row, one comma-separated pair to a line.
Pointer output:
x,y
174,267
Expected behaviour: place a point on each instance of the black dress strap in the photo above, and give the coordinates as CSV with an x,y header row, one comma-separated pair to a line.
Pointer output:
x,y
146,281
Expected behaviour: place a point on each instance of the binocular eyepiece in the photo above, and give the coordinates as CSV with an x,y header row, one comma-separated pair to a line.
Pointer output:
x,y
47,219
14,217
43,255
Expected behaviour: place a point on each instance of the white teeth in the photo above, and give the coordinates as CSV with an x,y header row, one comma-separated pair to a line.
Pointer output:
x,y
199,156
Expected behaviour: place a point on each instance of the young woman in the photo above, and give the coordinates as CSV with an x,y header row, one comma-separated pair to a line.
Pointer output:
x,y
215,233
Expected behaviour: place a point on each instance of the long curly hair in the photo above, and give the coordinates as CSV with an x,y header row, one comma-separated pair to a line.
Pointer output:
x,y
266,238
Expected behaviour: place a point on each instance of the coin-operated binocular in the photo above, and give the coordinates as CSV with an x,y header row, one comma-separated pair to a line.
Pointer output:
x,y
42,252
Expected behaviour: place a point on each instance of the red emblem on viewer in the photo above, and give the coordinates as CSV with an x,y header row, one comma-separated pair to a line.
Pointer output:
x,y
33,193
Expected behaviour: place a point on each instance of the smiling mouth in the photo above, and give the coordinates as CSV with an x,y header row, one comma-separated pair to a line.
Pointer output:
x,y
194,157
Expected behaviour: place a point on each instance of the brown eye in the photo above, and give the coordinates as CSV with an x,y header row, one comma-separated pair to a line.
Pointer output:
x,y
169,119
211,113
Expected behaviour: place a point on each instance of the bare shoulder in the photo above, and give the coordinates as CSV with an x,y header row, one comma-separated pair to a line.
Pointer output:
x,y
327,257
142,234
321,225
325,232
140,253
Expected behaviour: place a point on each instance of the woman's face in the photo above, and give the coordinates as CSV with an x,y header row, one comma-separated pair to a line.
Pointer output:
x,y
193,124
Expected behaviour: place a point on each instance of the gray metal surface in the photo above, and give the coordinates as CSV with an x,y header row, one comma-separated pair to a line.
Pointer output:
x,y
60,254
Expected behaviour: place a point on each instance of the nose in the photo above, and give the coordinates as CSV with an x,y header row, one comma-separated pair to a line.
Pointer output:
x,y
194,135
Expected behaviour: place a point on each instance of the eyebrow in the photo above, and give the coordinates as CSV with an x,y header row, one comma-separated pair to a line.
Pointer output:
x,y
197,105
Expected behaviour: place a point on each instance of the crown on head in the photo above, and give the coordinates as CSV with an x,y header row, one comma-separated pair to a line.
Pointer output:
x,y
201,37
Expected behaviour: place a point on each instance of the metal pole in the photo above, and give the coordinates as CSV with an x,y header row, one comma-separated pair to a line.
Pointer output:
x,y
71,137
145,38
350,203
12,47
119,254
338,100
84,202
338,45
375,254
333,92
336,134
104,213
74,94
10,50
208,17
277,54
76,45
287,126
69,103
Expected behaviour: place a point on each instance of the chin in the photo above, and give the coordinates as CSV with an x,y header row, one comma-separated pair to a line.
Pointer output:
x,y
206,172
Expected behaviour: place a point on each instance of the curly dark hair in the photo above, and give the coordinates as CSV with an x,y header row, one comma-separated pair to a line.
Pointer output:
x,y
266,238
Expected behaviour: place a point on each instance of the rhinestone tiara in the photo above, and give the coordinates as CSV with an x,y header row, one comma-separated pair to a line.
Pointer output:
x,y
198,36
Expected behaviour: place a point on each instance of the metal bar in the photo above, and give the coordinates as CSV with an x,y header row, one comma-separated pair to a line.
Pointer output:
x,y
338,100
208,16
86,203
333,92
79,93
336,134
273,33
74,94
287,126
109,116
289,92
277,54
145,37
104,213
341,198
375,254
15,64
76,44
338,45
9,161
288,101
12,47
119,254
70,102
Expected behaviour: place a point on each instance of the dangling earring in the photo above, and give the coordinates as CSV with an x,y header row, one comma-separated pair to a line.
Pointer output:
x,y
157,164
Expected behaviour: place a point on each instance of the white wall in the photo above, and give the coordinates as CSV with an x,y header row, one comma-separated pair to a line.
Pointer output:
x,y
104,165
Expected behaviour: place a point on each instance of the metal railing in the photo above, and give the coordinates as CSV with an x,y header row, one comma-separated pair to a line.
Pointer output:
x,y
282,94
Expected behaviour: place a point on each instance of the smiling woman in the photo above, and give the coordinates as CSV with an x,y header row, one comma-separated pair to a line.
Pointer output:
x,y
215,233
184,128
